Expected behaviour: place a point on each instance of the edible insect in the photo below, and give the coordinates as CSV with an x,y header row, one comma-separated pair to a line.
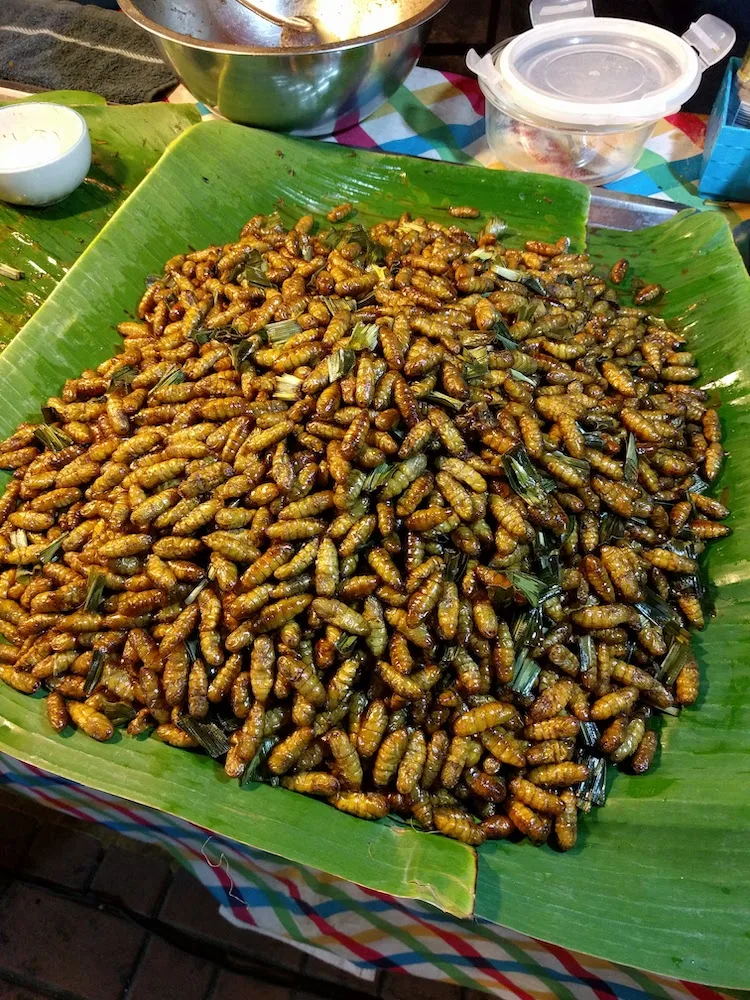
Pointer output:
x,y
400,517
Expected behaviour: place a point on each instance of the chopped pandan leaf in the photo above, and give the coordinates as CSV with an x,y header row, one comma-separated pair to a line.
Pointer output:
x,y
201,336
211,737
586,652
355,232
224,717
254,276
535,591
193,595
339,363
48,554
681,547
677,656
520,377
243,350
287,387
455,565
151,279
504,339
273,221
547,556
18,538
527,630
380,271
119,713
123,376
333,305
443,400
631,460
52,437
94,590
570,528
331,238
476,364
446,657
592,791
94,674
494,226
589,732
533,284
594,439
482,253
698,485
690,584
279,333
579,464
346,643
253,272
660,613
527,312
611,526
192,648
174,376
253,771
525,673
364,337
49,415
379,475
520,630
524,478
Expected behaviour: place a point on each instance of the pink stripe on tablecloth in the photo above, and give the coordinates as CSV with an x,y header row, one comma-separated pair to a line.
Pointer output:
x,y
469,88
355,136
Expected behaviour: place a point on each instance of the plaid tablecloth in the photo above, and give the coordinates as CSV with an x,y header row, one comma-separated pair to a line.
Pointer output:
x,y
355,928
439,116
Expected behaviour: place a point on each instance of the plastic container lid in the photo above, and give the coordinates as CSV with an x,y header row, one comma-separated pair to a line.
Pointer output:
x,y
600,71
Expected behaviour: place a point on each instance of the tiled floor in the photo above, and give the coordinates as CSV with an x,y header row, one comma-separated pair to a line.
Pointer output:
x,y
88,915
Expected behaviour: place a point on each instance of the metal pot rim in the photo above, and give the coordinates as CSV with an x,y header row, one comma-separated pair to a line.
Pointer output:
x,y
135,14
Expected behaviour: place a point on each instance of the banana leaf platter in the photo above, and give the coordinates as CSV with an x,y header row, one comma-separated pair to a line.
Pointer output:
x,y
660,878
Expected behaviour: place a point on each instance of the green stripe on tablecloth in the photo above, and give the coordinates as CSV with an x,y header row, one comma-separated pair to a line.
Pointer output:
x,y
650,987
531,966
389,929
278,901
427,124
662,173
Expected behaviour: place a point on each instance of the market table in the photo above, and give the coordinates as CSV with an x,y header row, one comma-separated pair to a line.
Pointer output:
x,y
439,116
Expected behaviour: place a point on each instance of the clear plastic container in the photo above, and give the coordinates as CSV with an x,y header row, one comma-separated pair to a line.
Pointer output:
x,y
579,97
591,154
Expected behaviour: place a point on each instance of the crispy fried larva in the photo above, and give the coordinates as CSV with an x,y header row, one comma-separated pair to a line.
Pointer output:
x,y
90,722
396,517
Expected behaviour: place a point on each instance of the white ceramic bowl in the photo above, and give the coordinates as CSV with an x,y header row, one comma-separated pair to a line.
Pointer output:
x,y
45,152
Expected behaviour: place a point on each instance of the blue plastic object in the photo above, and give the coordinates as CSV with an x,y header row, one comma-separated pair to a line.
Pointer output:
x,y
725,174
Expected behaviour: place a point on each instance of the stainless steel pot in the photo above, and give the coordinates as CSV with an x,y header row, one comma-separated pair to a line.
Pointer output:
x,y
312,77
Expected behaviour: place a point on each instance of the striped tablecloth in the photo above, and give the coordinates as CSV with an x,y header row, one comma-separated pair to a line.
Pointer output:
x,y
356,928
440,116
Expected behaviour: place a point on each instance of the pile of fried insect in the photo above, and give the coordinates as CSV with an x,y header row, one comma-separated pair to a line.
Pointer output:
x,y
402,518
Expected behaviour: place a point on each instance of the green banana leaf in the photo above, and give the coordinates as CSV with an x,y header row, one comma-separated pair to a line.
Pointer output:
x,y
45,242
660,877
